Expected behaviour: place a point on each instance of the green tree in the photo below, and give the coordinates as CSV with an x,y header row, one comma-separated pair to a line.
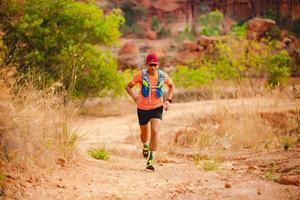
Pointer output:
x,y
60,37
155,25
132,13
211,23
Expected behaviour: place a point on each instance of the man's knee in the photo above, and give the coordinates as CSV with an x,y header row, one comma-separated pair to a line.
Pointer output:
x,y
154,130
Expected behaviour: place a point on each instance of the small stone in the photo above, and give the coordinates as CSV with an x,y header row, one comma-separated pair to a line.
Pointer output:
x,y
61,162
227,185
258,191
290,180
60,186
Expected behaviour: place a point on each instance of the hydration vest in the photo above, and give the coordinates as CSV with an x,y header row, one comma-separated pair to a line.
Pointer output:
x,y
146,87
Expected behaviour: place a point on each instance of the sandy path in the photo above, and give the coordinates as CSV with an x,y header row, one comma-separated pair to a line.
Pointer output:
x,y
123,175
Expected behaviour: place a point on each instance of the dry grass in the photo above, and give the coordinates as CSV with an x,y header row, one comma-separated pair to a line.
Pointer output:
x,y
34,131
249,128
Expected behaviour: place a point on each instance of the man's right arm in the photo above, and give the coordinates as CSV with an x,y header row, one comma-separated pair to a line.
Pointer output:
x,y
129,90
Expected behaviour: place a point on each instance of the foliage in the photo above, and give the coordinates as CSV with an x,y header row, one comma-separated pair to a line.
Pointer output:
x,y
186,34
191,78
238,30
229,64
264,61
207,164
295,28
98,78
99,153
278,68
237,59
211,23
274,32
164,32
135,29
270,174
57,38
132,12
155,25
2,47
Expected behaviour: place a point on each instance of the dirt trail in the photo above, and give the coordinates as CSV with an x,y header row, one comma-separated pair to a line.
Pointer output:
x,y
123,175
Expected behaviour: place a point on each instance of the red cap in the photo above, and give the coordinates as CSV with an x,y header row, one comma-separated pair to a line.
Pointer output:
x,y
152,58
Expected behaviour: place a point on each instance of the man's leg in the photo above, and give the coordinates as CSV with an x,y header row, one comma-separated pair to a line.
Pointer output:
x,y
155,123
144,133
144,138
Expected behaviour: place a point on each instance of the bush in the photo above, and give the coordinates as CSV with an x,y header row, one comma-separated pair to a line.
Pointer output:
x,y
279,69
99,153
186,34
211,23
132,12
191,78
296,27
155,25
274,32
239,60
58,38
164,32
239,30
134,29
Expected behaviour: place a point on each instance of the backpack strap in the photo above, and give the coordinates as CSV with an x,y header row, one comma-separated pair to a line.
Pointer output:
x,y
160,84
145,83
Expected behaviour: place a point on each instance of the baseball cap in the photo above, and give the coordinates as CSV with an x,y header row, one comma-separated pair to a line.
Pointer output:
x,y
152,58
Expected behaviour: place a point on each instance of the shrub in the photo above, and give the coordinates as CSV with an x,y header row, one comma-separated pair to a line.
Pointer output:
x,y
134,29
57,37
99,153
239,60
155,25
274,32
186,34
164,32
132,12
191,78
296,27
211,23
238,30
279,68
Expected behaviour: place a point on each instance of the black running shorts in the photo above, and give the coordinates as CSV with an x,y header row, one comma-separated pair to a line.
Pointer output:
x,y
145,115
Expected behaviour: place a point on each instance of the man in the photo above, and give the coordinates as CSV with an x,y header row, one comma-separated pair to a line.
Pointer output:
x,y
150,104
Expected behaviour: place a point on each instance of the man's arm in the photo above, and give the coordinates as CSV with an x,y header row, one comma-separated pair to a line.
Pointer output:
x,y
129,90
171,91
170,94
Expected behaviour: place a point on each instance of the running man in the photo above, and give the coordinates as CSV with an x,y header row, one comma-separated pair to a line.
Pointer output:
x,y
150,104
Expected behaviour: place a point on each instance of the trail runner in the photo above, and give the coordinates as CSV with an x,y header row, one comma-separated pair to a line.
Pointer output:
x,y
150,104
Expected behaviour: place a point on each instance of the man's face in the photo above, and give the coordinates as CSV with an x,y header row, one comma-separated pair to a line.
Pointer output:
x,y
152,67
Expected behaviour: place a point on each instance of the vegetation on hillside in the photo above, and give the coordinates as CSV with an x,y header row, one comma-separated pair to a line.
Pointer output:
x,y
211,23
240,60
54,41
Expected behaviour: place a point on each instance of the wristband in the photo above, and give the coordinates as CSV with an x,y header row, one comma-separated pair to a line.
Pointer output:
x,y
169,100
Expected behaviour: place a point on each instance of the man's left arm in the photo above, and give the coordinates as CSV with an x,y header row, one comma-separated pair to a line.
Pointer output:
x,y
171,87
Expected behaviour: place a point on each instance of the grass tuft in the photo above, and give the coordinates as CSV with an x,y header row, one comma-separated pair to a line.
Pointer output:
x,y
207,164
99,153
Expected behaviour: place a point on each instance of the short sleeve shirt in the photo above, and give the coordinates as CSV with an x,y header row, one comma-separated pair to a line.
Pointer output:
x,y
150,102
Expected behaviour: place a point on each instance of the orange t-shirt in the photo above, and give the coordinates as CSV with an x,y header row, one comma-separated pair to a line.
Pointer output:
x,y
150,102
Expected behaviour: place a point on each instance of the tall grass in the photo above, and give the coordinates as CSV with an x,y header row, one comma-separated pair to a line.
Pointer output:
x,y
34,130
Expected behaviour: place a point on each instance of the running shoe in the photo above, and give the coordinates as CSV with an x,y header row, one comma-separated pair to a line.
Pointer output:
x,y
149,166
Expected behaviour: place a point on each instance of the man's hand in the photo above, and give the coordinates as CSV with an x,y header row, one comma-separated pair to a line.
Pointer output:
x,y
167,105
137,99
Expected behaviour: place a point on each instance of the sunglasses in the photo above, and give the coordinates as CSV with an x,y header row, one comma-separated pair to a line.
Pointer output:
x,y
153,65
